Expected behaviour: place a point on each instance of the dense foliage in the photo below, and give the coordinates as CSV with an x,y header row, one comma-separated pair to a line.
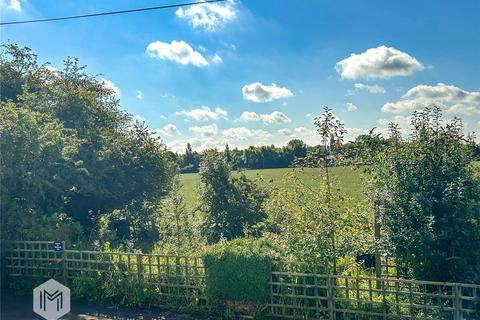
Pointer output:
x,y
321,228
239,270
429,195
69,154
230,205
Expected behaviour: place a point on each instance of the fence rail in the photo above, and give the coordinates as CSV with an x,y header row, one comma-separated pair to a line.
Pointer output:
x,y
313,296
294,294
173,276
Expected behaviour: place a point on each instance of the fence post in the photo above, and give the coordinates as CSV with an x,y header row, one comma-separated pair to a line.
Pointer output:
x,y
64,262
331,296
139,267
457,302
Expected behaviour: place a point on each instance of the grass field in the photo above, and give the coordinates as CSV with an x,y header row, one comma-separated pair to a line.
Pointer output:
x,y
349,180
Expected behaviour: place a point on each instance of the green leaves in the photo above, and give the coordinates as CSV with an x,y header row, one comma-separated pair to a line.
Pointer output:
x,y
430,196
314,226
230,205
239,270
67,146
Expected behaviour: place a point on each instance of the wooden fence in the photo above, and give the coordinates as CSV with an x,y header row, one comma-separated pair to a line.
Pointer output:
x,y
172,276
314,296
294,294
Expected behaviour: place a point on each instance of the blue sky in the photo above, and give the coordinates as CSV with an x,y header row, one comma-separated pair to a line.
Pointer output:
x,y
257,72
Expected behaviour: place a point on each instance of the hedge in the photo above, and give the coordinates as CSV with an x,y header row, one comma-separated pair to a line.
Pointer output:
x,y
239,270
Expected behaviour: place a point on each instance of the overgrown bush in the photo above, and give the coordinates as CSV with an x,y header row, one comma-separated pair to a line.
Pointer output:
x,y
230,205
239,270
68,148
429,194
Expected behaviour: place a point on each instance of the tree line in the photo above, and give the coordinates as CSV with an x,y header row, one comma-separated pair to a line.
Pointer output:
x,y
271,157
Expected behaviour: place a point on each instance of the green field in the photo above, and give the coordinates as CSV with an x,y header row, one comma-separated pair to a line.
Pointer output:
x,y
349,180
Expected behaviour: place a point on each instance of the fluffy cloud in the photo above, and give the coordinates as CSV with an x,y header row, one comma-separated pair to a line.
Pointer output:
x,y
453,99
168,130
275,117
139,94
381,62
269,118
258,92
249,116
242,133
203,113
209,15
376,89
285,131
14,5
178,51
110,86
402,121
205,131
350,107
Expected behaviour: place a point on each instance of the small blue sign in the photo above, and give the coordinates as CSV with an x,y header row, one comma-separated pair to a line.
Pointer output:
x,y
58,245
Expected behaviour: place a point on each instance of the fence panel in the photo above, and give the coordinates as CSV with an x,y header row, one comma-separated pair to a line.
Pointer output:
x,y
298,295
172,276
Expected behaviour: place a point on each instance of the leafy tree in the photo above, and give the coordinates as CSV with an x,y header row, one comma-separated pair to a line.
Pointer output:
x,y
37,164
79,154
430,198
230,205
191,160
298,148
228,154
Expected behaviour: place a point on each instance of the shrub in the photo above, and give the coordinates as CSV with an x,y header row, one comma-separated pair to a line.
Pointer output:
x,y
430,194
230,205
239,270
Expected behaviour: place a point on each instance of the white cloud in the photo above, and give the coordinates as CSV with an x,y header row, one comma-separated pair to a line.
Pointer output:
x,y
162,116
139,94
454,100
205,131
258,92
110,86
375,89
203,113
168,130
217,59
14,5
353,133
381,62
275,117
268,118
178,51
402,121
209,15
285,131
249,116
350,107
242,133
